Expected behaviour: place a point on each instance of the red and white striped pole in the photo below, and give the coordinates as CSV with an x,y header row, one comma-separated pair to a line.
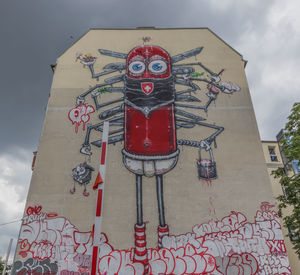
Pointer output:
x,y
99,186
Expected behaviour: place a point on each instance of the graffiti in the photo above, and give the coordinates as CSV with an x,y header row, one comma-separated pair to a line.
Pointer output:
x,y
235,235
237,264
49,238
185,260
82,174
80,114
34,215
195,74
146,39
230,87
57,239
229,246
34,266
271,264
149,113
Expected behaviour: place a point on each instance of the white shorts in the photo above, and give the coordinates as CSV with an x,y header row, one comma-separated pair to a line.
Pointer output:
x,y
149,166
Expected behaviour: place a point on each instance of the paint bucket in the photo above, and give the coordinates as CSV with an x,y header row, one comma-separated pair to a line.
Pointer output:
x,y
206,167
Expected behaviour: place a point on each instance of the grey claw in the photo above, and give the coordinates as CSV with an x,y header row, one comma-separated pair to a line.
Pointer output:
x,y
86,150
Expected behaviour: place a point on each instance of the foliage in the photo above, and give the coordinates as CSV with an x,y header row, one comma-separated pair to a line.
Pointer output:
x,y
8,267
290,181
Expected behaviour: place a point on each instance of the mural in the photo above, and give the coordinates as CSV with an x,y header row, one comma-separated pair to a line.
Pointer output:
x,y
82,174
155,98
233,245
80,114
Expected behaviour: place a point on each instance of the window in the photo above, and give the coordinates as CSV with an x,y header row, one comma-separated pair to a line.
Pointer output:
x,y
296,166
293,236
272,153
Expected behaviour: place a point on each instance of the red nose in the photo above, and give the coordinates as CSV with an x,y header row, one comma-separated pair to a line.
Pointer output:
x,y
146,74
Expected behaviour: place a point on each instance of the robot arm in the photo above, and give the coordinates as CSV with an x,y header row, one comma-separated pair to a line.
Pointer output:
x,y
108,69
212,93
89,60
111,140
188,123
187,114
115,121
102,88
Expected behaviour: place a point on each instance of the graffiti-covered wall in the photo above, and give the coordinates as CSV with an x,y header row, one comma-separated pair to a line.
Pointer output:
x,y
186,188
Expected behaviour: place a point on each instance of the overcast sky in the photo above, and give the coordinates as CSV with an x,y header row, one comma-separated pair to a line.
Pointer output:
x,y
33,33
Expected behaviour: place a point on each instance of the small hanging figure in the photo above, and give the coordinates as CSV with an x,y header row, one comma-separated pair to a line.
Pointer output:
x,y
82,174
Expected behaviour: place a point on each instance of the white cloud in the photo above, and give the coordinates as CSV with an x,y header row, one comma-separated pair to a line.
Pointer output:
x,y
272,51
15,174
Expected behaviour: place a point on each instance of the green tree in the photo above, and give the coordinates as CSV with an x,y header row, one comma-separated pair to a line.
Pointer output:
x,y
290,181
8,267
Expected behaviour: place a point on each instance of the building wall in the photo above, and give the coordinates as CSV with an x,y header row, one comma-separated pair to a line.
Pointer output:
x,y
225,225
277,190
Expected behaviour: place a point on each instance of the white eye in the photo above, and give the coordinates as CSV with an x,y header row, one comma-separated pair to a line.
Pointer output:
x,y
81,170
136,67
158,66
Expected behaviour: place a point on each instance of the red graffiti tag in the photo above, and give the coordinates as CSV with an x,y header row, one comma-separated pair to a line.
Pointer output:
x,y
80,114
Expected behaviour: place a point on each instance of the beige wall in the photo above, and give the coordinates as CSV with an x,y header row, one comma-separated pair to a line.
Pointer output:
x,y
239,143
242,183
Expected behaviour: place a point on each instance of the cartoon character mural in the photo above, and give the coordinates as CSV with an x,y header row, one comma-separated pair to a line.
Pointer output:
x,y
82,174
151,111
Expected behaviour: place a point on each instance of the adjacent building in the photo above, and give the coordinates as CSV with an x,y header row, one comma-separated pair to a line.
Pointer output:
x,y
275,158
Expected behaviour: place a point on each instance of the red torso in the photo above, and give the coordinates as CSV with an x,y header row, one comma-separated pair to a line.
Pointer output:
x,y
155,135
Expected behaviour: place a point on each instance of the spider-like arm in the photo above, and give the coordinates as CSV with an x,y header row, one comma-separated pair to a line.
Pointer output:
x,y
108,69
204,107
215,77
188,115
186,98
98,106
185,55
111,140
81,98
182,70
102,88
221,88
181,81
187,82
111,112
115,121
189,123
113,54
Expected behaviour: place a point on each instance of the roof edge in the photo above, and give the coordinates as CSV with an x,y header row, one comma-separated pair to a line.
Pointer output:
x,y
154,28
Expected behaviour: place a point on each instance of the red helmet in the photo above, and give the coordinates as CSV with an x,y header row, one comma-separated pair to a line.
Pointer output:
x,y
148,62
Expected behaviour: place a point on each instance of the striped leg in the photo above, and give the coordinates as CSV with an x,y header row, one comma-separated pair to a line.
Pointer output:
x,y
163,229
140,250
